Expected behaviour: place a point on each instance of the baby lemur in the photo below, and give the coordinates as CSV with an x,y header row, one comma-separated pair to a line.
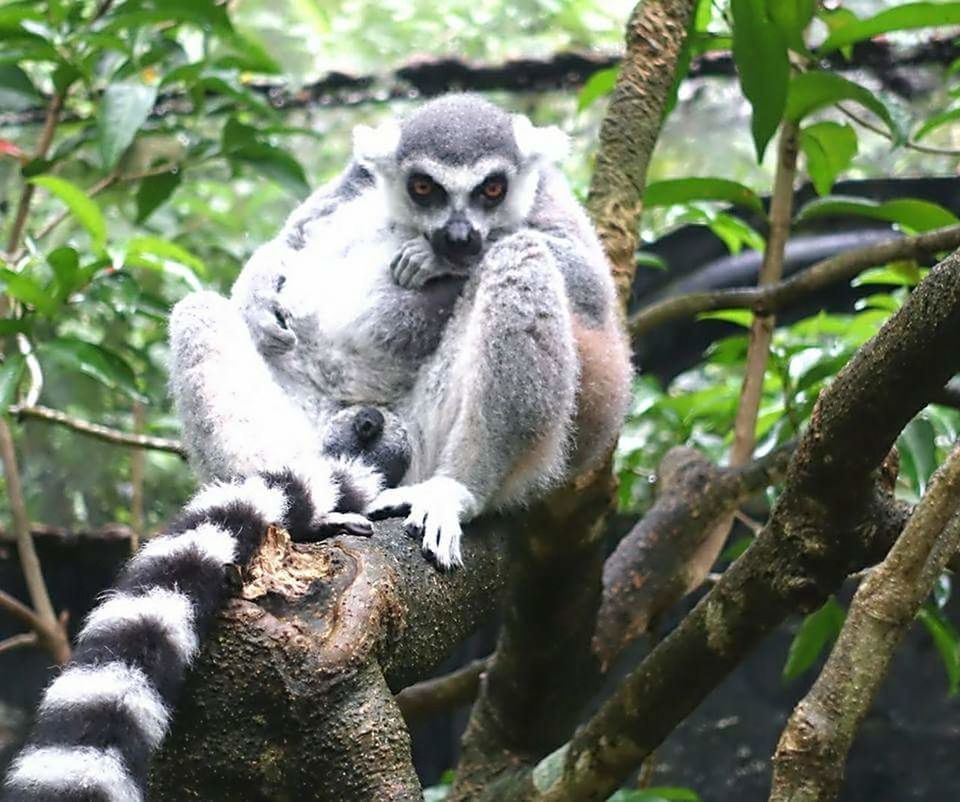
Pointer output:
x,y
441,315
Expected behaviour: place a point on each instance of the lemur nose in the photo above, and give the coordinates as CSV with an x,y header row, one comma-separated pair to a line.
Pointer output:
x,y
461,238
368,425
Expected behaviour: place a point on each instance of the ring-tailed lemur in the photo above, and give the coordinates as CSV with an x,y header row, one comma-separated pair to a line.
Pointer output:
x,y
448,275
104,716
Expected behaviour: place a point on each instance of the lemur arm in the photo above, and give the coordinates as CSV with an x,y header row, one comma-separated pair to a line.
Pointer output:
x,y
236,419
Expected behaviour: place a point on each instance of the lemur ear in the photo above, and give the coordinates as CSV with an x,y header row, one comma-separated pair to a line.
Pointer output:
x,y
374,145
548,143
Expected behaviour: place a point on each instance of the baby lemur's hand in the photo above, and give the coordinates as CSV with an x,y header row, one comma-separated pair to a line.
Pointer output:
x,y
415,264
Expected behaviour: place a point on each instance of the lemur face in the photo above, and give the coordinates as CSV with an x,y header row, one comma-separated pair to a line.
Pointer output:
x,y
460,171
372,434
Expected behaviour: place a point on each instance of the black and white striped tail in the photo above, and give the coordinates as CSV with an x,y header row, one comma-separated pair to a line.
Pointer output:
x,y
105,715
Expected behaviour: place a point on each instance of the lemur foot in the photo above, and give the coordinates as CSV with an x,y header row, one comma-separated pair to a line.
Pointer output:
x,y
415,264
434,511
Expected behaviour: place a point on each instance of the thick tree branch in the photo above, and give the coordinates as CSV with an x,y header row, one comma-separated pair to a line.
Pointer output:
x,y
656,563
99,431
655,34
290,698
775,297
829,521
811,756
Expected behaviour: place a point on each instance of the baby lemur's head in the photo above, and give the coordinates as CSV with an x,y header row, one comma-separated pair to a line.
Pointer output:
x,y
372,434
459,170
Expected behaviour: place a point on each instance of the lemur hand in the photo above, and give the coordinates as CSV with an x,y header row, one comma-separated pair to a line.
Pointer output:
x,y
415,264
269,322
435,509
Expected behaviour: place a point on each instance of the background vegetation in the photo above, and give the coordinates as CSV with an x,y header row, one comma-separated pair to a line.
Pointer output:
x,y
185,131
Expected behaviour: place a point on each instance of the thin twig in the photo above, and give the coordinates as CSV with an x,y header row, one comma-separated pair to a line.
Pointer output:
x,y
18,641
95,189
47,625
100,431
19,610
773,298
771,271
864,122
43,145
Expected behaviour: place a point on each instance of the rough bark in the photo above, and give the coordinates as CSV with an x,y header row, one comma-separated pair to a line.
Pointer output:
x,y
655,34
651,568
292,696
812,753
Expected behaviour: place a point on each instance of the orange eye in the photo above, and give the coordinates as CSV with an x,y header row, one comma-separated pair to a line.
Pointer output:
x,y
494,188
421,186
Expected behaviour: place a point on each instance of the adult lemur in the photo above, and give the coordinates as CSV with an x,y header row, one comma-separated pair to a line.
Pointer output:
x,y
447,278
448,275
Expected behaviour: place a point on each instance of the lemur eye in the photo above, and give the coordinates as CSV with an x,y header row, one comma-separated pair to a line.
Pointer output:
x,y
493,189
421,187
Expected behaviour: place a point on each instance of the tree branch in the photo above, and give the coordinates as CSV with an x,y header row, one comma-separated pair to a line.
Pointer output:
x,y
628,135
775,297
761,327
829,521
439,694
656,563
48,627
811,755
100,432
290,699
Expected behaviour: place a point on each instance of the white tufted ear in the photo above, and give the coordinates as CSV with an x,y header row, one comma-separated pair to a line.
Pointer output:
x,y
374,145
549,142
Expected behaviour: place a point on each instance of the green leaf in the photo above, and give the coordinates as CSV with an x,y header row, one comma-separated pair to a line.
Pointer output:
x,y
10,325
948,645
154,191
27,290
685,190
65,262
903,17
124,108
829,148
811,91
84,209
918,444
911,213
274,163
651,260
655,794
792,18
159,253
599,85
897,274
818,630
760,53
100,364
937,121
17,91
10,373
740,317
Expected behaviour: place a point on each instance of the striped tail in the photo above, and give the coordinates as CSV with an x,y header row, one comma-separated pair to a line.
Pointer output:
x,y
101,720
